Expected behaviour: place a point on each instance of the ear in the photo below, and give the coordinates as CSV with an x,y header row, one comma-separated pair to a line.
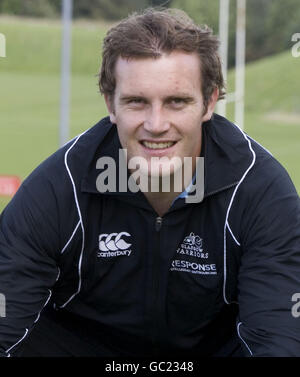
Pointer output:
x,y
211,105
110,107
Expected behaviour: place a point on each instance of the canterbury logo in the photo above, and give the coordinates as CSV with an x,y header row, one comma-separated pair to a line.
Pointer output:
x,y
113,241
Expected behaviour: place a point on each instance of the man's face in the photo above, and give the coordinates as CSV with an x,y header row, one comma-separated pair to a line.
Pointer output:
x,y
158,106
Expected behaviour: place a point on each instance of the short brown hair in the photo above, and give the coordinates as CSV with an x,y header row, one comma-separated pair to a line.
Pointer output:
x,y
157,31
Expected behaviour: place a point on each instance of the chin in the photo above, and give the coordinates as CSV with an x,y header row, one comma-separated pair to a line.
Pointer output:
x,y
164,169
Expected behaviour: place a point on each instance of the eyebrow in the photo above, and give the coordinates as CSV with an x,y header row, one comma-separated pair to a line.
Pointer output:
x,y
127,97
184,96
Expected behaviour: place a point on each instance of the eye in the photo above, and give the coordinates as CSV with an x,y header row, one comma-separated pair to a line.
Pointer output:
x,y
177,102
136,100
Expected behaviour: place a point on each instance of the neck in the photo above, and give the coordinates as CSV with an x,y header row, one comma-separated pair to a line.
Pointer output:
x,y
162,191
160,201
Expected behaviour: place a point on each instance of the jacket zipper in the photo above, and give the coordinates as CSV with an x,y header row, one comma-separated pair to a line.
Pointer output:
x,y
158,223
155,307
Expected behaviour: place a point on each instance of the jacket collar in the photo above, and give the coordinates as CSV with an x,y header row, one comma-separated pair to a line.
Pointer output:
x,y
226,158
227,154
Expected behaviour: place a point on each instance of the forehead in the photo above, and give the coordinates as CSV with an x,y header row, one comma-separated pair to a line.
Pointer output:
x,y
176,70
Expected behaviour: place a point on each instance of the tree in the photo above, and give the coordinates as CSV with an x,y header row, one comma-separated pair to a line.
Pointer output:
x,y
207,12
35,8
111,10
270,24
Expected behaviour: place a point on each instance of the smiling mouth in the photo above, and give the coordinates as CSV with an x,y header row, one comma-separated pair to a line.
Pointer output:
x,y
160,145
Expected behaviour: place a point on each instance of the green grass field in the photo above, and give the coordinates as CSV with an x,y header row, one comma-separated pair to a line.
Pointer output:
x,y
30,89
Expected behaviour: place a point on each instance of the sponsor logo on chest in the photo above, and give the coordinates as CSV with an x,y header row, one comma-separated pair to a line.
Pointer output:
x,y
114,245
192,246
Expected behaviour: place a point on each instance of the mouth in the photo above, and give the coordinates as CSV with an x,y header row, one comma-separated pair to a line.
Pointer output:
x,y
158,145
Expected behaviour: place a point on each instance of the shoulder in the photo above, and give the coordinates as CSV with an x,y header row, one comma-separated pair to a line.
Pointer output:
x,y
267,173
256,166
51,186
70,160
266,196
261,183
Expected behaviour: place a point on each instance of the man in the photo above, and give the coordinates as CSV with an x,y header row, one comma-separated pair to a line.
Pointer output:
x,y
91,266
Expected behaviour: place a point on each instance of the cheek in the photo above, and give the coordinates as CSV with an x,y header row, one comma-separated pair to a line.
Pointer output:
x,y
128,123
192,127
125,132
189,117
123,136
192,137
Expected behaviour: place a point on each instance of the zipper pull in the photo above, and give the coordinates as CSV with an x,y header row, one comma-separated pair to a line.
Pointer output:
x,y
158,223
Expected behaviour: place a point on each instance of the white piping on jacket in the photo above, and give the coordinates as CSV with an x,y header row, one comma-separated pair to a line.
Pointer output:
x,y
79,266
232,235
9,349
38,316
238,331
255,141
26,330
226,225
80,220
67,244
58,274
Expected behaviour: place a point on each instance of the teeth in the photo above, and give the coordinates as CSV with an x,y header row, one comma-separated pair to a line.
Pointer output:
x,y
158,145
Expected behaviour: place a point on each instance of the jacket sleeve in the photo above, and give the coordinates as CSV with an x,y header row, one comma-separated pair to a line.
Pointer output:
x,y
29,241
269,273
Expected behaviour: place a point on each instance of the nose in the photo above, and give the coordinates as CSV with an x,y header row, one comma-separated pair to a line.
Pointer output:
x,y
156,122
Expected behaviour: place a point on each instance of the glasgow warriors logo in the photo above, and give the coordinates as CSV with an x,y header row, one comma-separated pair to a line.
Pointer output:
x,y
193,240
192,245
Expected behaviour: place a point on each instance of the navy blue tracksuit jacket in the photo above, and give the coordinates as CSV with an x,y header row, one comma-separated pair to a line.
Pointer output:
x,y
185,283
